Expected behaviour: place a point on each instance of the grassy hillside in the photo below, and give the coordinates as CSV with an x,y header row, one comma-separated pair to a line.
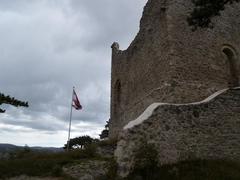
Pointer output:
x,y
44,164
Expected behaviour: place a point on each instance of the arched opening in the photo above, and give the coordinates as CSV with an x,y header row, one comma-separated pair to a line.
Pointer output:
x,y
117,98
233,66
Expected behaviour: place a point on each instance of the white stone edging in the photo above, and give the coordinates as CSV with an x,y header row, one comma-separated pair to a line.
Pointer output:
x,y
150,109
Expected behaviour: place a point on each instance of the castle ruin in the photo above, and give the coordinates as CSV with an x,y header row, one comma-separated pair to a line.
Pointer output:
x,y
168,62
177,89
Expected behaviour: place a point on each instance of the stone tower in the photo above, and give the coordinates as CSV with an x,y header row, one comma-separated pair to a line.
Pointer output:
x,y
168,62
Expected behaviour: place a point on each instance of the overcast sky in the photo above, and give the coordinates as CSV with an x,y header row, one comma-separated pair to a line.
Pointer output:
x,y
48,46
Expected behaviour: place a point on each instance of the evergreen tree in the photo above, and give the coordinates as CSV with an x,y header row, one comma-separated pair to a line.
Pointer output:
x,y
79,142
105,133
204,11
12,101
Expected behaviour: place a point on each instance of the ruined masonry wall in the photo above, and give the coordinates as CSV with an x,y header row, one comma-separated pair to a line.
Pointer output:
x,y
167,62
206,130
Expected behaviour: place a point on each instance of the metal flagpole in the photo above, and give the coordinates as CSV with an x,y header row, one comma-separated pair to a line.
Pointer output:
x,y
70,122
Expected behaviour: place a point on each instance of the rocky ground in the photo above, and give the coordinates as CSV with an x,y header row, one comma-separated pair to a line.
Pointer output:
x,y
89,170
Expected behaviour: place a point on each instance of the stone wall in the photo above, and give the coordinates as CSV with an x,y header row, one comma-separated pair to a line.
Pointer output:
x,y
207,130
168,62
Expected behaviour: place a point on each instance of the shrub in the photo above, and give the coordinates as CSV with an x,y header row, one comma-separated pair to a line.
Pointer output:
x,y
146,167
145,163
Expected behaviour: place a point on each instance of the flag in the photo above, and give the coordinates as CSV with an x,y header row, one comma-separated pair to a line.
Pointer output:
x,y
75,102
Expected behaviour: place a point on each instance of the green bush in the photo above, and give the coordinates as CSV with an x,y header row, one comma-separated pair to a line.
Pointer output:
x,y
147,167
145,163
112,171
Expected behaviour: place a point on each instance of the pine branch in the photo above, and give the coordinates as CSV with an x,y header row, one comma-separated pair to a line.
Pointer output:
x,y
12,101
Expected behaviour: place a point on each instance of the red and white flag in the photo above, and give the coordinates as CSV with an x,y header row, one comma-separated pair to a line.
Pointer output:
x,y
75,101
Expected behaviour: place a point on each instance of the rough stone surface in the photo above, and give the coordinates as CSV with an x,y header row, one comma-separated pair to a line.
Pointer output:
x,y
206,130
88,170
168,62
106,151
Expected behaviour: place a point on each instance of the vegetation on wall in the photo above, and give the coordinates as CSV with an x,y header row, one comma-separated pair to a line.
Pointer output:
x,y
205,10
147,167
145,163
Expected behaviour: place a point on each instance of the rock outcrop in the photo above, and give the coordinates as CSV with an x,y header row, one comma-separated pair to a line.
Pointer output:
x,y
87,170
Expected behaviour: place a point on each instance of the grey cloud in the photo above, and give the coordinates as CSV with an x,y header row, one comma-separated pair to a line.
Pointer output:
x,y
48,46
112,18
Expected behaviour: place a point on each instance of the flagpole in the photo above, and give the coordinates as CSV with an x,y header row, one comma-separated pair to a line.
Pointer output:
x,y
70,122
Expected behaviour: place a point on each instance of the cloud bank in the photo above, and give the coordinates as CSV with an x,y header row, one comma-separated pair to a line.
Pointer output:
x,y
48,46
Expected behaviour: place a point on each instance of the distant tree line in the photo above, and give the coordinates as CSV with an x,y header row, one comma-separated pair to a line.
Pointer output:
x,y
12,101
